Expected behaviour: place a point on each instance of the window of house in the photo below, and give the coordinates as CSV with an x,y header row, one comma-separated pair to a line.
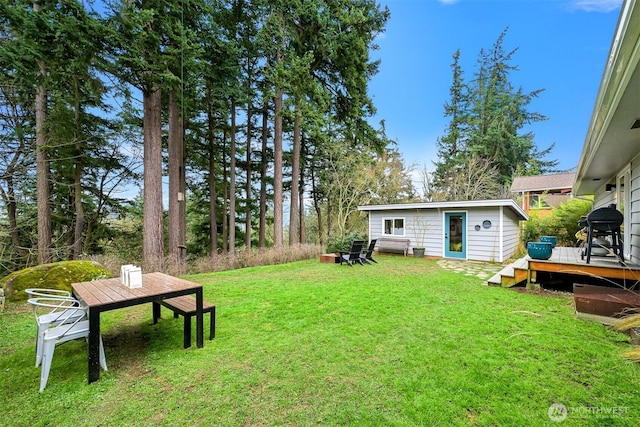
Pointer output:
x,y
393,226
537,201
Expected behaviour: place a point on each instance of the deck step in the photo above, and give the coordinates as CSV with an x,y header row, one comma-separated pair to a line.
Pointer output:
x,y
566,260
512,274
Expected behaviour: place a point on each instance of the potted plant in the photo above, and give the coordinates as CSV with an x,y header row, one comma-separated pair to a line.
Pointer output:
x,y
419,225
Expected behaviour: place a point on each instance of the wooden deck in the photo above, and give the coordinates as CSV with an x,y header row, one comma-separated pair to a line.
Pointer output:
x,y
566,261
569,261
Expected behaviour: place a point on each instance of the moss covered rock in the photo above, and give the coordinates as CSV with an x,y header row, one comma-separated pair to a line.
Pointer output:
x,y
57,275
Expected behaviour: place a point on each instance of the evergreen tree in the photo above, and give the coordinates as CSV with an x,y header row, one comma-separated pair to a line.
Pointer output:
x,y
50,64
488,116
452,145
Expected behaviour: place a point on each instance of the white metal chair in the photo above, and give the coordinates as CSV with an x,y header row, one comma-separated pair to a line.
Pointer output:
x,y
47,317
43,292
66,331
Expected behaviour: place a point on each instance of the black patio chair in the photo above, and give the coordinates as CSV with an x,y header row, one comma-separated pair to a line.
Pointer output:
x,y
367,254
353,255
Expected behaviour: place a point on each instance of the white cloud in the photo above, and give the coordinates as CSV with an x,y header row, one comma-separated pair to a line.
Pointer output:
x,y
596,5
448,1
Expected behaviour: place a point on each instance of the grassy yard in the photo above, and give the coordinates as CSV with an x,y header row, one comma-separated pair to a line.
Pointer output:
x,y
400,343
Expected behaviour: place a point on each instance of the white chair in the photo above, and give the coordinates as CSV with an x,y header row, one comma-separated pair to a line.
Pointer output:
x,y
43,292
66,331
47,317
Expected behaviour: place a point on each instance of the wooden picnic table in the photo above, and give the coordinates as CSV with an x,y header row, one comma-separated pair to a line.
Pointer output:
x,y
110,294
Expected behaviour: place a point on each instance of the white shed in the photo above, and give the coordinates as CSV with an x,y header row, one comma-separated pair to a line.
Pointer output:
x,y
479,230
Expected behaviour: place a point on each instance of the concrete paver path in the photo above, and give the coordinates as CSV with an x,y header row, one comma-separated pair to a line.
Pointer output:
x,y
482,270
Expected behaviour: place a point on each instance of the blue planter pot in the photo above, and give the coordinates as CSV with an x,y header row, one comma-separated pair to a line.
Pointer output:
x,y
539,250
549,239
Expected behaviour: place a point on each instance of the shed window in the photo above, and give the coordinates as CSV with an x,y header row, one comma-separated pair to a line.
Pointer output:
x,y
394,226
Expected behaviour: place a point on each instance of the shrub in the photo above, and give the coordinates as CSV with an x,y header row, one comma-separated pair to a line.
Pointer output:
x,y
567,216
563,223
254,257
336,244
534,228
226,261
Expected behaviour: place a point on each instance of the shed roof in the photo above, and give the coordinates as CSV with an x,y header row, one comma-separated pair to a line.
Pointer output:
x,y
461,204
543,182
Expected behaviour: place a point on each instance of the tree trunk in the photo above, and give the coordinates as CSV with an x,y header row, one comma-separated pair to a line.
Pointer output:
x,y
301,209
295,180
278,234
316,205
278,225
42,172
213,223
79,226
9,199
225,196
177,221
263,178
153,244
43,190
247,220
232,182
329,210
77,183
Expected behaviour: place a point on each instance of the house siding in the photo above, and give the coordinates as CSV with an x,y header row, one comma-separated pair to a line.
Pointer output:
x,y
432,238
510,235
611,144
634,208
604,198
494,244
483,244
375,224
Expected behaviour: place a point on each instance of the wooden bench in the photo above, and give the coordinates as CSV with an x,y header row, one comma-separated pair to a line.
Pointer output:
x,y
186,306
393,244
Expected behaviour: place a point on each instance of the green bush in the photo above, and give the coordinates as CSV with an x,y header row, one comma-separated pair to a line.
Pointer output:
x,y
336,244
535,227
563,223
568,215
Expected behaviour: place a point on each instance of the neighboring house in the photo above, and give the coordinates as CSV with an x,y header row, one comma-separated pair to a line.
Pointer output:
x,y
481,230
539,194
609,167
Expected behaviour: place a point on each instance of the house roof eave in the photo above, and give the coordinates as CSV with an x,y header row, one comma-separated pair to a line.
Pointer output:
x,y
610,142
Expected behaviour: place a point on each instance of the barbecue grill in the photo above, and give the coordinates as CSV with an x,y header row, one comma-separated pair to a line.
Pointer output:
x,y
603,222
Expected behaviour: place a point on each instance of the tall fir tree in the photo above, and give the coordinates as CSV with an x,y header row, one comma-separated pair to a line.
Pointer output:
x,y
488,117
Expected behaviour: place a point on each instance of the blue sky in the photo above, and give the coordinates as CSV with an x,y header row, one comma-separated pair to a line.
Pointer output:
x,y
562,48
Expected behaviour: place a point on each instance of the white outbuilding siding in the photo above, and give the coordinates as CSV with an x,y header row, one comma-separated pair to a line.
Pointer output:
x,y
491,228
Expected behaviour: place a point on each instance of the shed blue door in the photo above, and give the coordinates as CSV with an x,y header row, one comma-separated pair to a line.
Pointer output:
x,y
455,224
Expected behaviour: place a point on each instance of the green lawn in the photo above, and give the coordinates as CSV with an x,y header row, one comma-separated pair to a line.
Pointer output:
x,y
400,343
